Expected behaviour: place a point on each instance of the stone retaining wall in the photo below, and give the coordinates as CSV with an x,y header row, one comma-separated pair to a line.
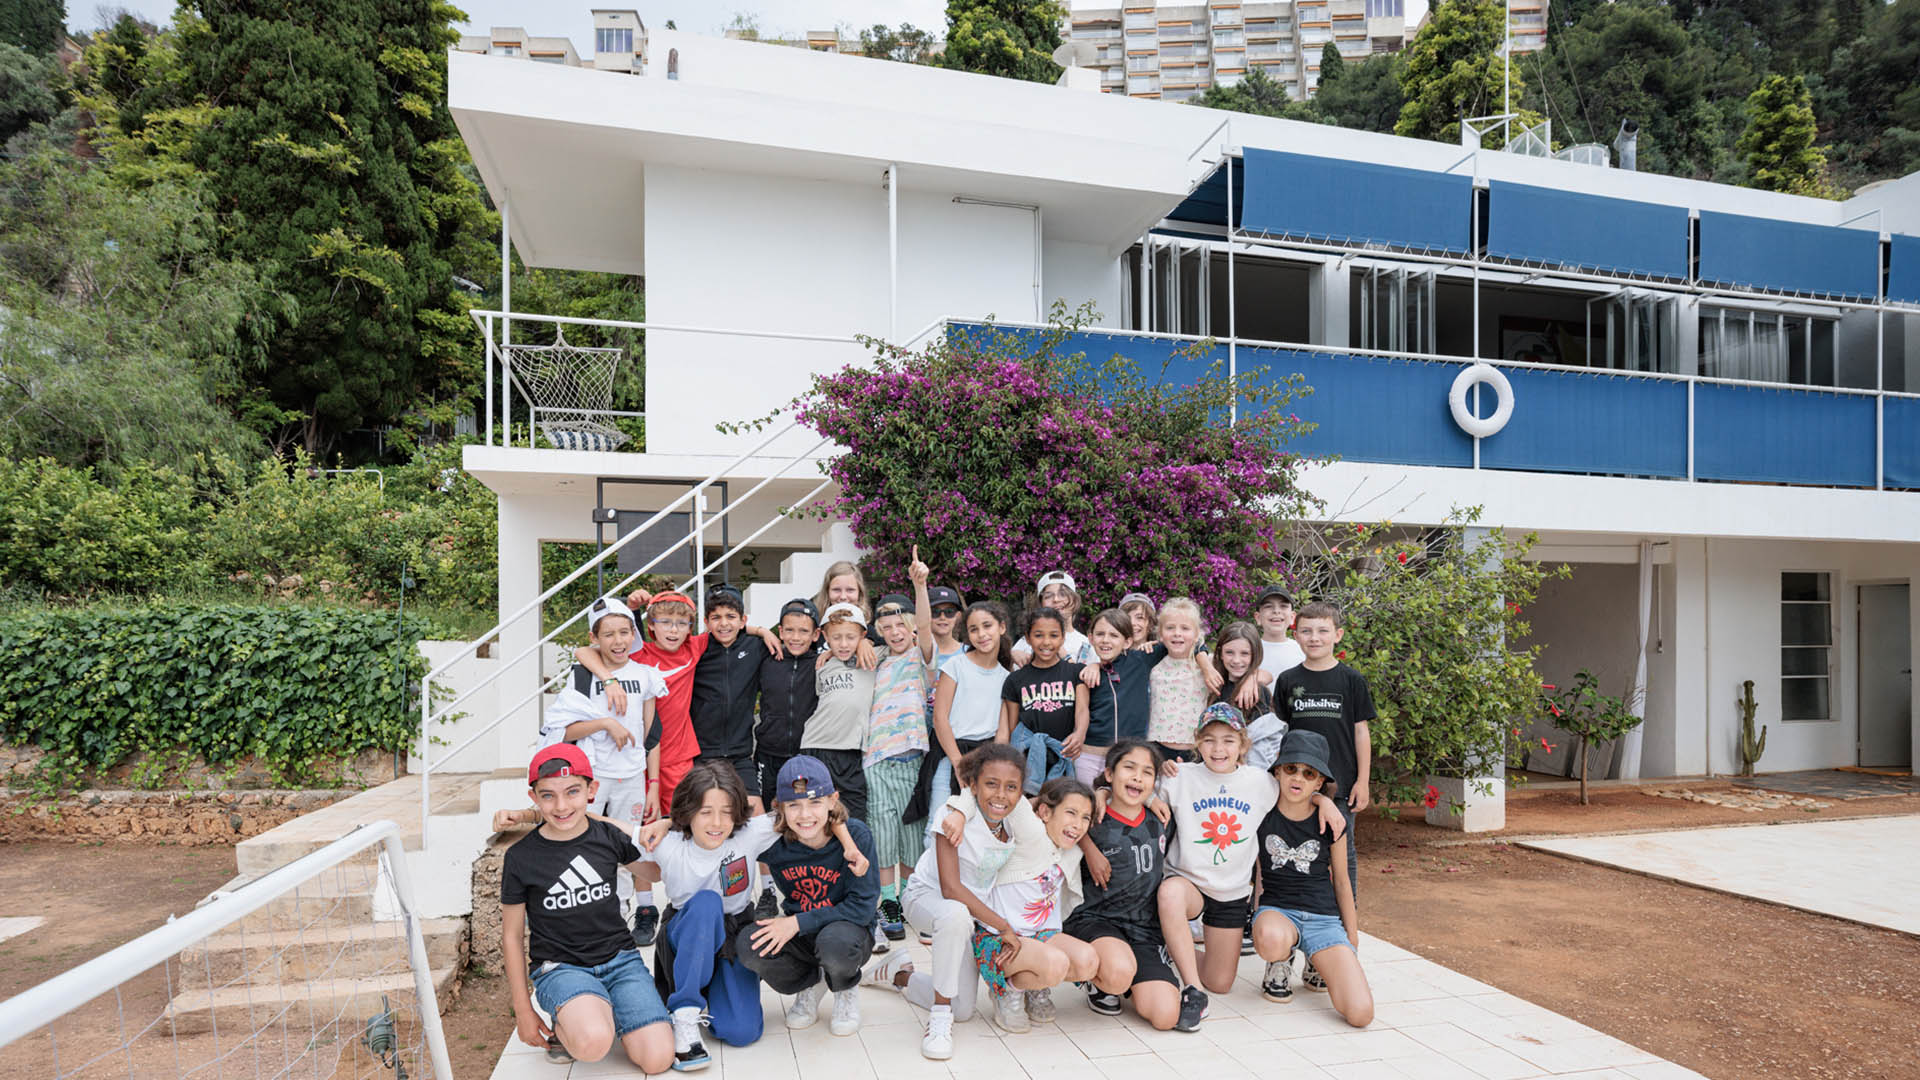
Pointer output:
x,y
189,818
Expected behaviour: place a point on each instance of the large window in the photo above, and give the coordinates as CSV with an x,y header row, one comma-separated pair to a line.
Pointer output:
x,y
1142,84
613,41
1386,9
1806,646
1140,20
1768,346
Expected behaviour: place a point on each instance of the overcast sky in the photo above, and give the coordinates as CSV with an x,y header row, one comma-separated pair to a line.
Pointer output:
x,y
573,20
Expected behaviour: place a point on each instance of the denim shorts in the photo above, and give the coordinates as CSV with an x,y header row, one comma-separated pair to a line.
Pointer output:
x,y
1316,931
622,982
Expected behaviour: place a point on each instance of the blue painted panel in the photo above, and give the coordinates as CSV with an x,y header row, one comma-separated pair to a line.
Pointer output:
x,y
1207,203
1569,422
1591,232
1369,408
1902,445
1355,202
1782,436
1903,274
1790,256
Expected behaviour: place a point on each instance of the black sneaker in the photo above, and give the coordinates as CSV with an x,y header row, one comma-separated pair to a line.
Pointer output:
x,y
893,920
1311,978
1102,1002
646,923
1246,941
768,906
557,1053
1277,986
1193,1009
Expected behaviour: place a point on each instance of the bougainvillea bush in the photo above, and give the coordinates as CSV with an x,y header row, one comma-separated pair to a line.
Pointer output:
x,y
1003,455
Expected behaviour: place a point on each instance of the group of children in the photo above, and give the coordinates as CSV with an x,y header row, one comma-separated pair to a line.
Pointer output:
x,y
1120,807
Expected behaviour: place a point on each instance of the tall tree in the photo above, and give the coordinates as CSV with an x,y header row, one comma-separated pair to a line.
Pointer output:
x,y
1332,65
1779,141
1872,97
909,44
1256,94
1013,39
26,90
1454,70
1366,96
34,25
333,145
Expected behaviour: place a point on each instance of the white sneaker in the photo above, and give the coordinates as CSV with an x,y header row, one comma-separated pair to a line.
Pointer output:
x,y
1199,934
1040,1008
806,1007
880,942
1010,1011
937,1045
846,1011
689,1052
881,972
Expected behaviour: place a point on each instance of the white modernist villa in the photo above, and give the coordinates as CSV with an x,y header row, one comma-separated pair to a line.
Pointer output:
x,y
1713,419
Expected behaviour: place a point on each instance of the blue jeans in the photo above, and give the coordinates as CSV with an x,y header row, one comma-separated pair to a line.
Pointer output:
x,y
1040,749
704,979
1316,931
622,982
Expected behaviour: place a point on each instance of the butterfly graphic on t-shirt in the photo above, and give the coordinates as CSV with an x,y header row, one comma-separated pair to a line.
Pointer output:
x,y
1301,857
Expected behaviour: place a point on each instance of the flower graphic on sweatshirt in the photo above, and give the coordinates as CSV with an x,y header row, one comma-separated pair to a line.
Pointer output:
x,y
1222,830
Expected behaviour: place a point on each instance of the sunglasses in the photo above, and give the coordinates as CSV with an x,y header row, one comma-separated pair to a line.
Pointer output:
x,y
1305,772
945,612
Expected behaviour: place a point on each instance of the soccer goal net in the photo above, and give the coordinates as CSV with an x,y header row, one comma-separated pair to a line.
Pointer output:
x,y
318,970
572,390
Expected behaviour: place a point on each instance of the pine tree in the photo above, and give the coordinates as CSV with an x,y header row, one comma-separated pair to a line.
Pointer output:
x,y
1255,94
1013,39
1778,144
1454,70
1332,64
34,25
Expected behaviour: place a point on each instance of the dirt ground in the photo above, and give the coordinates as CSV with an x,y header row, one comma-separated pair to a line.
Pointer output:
x,y
1729,987
1536,811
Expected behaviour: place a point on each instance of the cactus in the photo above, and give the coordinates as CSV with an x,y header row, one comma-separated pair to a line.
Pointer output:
x,y
1750,747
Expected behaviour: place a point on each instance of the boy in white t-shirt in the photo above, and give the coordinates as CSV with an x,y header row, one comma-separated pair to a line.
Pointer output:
x,y
1273,614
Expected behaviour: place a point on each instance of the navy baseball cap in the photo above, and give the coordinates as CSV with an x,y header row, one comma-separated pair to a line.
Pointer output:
x,y
728,596
803,777
893,604
801,607
940,596
1274,592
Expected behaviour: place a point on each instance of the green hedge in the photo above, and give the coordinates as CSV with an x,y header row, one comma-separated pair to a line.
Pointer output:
x,y
291,686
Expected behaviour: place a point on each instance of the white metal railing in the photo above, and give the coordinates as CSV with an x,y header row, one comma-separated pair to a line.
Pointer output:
x,y
33,1009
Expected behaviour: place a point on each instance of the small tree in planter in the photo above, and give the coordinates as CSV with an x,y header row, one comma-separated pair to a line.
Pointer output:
x,y
1003,455
1429,616
1582,711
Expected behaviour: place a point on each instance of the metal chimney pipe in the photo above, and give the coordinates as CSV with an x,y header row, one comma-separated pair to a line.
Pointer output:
x,y
1627,145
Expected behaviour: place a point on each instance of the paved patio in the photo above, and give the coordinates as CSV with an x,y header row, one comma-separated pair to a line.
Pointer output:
x,y
1431,1023
1862,869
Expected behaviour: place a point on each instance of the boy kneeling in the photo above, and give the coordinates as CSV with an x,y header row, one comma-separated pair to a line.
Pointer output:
x,y
558,880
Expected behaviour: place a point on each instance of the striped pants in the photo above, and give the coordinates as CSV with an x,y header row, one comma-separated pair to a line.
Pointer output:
x,y
889,788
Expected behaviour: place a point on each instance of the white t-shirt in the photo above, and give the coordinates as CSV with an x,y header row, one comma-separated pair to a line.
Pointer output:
x,y
585,698
1074,648
981,854
975,713
1215,817
687,868
1278,656
1032,904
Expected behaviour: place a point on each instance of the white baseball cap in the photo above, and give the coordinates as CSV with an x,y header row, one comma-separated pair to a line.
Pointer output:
x,y
1055,577
609,605
843,612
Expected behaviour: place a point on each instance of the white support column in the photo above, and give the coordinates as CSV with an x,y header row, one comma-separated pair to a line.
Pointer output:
x,y
1688,753
1233,302
518,547
893,253
1329,297
1480,812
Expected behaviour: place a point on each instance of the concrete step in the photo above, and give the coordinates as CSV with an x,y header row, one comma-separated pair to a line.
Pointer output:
x,y
396,800
244,1007
337,898
288,954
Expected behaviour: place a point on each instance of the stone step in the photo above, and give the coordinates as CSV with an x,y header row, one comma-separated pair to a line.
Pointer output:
x,y
397,800
288,954
336,898
245,1007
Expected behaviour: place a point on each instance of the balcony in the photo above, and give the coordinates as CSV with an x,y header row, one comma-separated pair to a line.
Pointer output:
x,y
1393,409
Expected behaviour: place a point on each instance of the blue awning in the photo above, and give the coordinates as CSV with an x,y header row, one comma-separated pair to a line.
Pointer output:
x,y
1587,232
1352,202
1207,204
1903,276
1788,256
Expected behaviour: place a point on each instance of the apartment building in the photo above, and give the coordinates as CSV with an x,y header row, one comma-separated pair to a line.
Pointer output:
x,y
619,43
1174,51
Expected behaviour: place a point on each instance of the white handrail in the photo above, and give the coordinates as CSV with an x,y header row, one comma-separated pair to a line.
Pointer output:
x,y
30,1010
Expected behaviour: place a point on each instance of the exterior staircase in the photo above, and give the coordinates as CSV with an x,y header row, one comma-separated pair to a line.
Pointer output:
x,y
800,575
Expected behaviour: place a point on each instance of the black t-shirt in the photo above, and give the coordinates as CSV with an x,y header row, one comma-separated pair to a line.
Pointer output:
x,y
1330,703
1128,901
1045,697
567,886
726,685
1294,861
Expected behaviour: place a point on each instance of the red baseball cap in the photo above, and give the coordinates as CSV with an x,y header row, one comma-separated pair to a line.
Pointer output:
x,y
560,759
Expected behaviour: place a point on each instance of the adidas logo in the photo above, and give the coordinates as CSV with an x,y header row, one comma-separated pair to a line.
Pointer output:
x,y
578,885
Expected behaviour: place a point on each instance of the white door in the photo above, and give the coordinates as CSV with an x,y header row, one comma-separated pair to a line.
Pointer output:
x,y
1886,677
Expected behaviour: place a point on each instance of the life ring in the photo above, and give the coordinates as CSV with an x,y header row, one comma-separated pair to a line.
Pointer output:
x,y
1478,427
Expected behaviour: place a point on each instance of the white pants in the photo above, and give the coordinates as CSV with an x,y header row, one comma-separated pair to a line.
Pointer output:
x,y
625,801
954,974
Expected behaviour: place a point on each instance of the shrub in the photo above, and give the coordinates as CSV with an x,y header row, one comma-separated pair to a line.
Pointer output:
x,y
1003,456
67,532
290,686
